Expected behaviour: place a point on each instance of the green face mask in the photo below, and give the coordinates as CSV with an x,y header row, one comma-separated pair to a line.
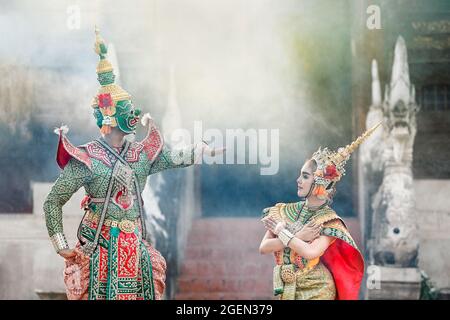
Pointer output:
x,y
126,116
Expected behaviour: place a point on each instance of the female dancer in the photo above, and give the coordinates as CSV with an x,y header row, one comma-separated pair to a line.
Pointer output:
x,y
315,255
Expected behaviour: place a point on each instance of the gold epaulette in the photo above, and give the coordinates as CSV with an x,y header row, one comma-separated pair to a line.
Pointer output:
x,y
273,212
326,215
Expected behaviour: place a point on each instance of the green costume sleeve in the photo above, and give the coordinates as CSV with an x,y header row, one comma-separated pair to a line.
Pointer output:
x,y
169,159
72,178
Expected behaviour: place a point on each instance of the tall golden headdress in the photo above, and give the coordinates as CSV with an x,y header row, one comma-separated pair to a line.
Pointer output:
x,y
331,165
109,93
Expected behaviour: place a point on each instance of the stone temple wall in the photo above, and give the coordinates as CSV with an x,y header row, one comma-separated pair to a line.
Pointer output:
x,y
28,261
433,212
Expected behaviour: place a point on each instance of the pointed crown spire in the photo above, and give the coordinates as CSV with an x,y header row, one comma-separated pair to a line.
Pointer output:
x,y
331,165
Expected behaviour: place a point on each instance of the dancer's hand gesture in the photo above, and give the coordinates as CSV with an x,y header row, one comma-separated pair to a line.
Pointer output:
x,y
309,232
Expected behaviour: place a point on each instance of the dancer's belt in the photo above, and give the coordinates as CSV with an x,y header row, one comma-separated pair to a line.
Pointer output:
x,y
125,225
101,200
285,279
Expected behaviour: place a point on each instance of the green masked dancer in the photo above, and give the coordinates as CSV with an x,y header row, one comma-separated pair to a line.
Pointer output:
x,y
112,260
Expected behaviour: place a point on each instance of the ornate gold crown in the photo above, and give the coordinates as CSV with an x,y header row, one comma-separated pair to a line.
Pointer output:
x,y
105,73
331,165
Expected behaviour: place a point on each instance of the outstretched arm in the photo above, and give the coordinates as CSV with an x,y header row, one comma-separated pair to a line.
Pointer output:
x,y
74,175
176,158
182,157
173,158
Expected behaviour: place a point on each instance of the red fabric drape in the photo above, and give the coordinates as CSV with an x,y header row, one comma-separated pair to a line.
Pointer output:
x,y
347,267
62,156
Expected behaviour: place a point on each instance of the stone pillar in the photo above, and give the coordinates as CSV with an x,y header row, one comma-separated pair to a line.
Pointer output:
x,y
393,242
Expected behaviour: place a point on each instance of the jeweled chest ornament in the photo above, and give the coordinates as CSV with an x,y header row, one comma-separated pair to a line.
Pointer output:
x,y
123,184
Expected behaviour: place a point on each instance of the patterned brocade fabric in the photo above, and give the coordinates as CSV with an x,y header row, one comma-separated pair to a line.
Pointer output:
x,y
76,175
313,280
317,284
293,213
73,177
79,279
123,265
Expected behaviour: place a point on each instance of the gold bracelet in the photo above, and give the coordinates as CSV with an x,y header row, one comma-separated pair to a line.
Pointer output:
x,y
285,236
59,242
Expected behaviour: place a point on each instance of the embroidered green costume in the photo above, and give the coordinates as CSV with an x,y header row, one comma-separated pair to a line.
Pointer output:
x,y
112,259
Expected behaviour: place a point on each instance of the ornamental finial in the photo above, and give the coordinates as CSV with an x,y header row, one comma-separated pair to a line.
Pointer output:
x,y
331,164
344,153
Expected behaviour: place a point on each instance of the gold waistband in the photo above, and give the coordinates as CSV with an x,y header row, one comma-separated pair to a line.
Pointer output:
x,y
125,225
101,200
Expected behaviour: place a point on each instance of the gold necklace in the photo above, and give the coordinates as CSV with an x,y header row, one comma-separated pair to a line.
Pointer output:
x,y
315,208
